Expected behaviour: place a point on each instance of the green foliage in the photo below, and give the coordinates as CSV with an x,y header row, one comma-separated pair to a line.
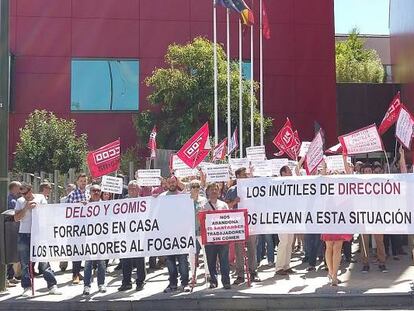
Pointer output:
x,y
185,94
132,154
354,63
48,143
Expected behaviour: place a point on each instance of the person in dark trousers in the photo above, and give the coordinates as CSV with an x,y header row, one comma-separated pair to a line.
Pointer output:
x,y
129,263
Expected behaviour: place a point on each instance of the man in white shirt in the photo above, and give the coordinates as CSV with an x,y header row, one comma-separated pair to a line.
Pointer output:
x,y
24,206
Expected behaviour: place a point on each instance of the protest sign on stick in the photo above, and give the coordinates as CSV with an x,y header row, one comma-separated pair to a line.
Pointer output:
x,y
223,226
404,128
314,155
148,178
112,184
364,140
217,173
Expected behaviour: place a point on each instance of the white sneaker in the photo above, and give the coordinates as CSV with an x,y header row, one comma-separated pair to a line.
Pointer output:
x,y
86,291
27,292
102,288
54,290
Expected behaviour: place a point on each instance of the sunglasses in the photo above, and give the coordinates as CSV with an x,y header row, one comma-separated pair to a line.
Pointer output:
x,y
96,190
195,186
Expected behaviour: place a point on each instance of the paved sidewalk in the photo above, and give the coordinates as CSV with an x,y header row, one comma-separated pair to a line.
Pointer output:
x,y
303,290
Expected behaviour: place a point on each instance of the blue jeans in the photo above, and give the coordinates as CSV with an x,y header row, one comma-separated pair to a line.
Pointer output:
x,y
265,244
223,253
182,267
313,245
23,246
88,272
127,267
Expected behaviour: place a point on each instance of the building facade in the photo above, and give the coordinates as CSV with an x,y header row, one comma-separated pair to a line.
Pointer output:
x,y
402,47
65,50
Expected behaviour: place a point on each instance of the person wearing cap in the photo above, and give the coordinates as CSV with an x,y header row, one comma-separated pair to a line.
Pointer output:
x,y
95,196
24,207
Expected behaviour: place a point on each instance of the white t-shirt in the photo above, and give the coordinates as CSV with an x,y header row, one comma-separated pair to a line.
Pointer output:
x,y
26,221
220,205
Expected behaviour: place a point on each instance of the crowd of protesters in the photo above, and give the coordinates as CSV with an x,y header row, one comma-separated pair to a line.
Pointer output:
x,y
329,249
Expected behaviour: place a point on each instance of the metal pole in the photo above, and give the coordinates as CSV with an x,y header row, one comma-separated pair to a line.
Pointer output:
x,y
228,79
261,73
4,128
215,74
251,88
240,89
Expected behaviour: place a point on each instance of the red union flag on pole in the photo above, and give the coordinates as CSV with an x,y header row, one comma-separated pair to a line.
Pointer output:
x,y
314,156
287,141
364,140
152,142
404,128
196,148
219,152
391,115
105,160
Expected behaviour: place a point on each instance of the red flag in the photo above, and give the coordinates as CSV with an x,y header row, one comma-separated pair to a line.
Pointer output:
x,y
266,27
196,148
105,160
391,116
219,152
152,142
287,141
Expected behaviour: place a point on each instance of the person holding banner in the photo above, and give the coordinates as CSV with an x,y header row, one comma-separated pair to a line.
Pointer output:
x,y
284,249
232,201
76,196
172,184
127,263
379,239
199,202
95,192
214,250
24,206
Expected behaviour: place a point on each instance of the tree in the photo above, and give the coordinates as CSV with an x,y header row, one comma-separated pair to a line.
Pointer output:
x,y
354,63
48,143
185,94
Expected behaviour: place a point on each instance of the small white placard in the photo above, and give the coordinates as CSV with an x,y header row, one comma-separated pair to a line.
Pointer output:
x,y
217,173
112,184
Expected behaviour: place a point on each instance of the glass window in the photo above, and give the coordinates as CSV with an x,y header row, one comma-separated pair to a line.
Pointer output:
x,y
246,65
104,85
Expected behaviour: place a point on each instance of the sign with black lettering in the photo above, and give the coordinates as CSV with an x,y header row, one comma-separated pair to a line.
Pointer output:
x,y
135,227
223,226
337,204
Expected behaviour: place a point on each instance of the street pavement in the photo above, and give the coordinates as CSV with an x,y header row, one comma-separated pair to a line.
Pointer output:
x,y
302,290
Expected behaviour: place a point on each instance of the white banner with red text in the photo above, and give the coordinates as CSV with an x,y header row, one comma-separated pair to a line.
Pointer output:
x,y
329,204
136,227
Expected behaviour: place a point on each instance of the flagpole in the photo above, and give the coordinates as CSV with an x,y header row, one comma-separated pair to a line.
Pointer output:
x,y
261,73
240,90
251,88
215,73
228,78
